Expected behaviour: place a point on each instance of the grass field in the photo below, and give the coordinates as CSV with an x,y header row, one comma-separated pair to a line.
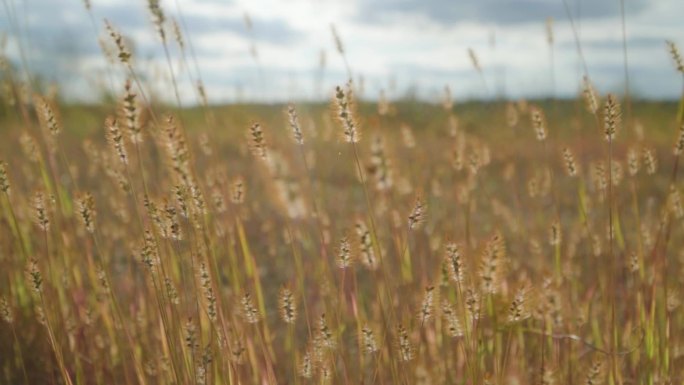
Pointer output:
x,y
345,242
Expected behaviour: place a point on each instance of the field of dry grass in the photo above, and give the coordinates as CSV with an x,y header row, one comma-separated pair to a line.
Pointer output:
x,y
349,242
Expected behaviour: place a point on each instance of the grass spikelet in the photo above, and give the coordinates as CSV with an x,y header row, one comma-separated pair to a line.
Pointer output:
x,y
595,373
306,368
4,178
675,203
676,56
131,112
287,306
492,263
176,149
426,307
257,141
115,138
344,258
417,215
472,301
632,161
6,311
405,348
249,311
47,116
344,103
368,257
679,145
124,54
209,296
555,234
538,123
337,40
325,335
380,168
474,60
569,161
293,121
158,17
178,37
86,209
237,190
455,263
611,117
650,161
370,345
518,310
171,291
40,210
148,251
453,325
34,276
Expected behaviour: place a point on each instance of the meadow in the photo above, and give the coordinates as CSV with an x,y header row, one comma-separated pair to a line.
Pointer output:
x,y
348,242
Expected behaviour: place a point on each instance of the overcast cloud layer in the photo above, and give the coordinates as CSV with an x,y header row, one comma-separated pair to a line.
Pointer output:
x,y
401,46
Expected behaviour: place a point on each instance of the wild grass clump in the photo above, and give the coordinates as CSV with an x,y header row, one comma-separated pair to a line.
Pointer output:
x,y
159,247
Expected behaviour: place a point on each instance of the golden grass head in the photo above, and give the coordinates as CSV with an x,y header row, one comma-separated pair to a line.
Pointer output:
x,y
590,96
679,145
569,161
325,336
632,161
404,344
519,309
426,307
594,374
34,275
131,113
237,190
6,313
86,209
293,121
249,312
47,115
453,325
344,255
417,215
370,344
676,56
178,36
345,114
287,305
40,210
611,117
158,17
538,123
492,263
115,138
124,54
4,178
455,262
258,141
207,288
650,161
368,257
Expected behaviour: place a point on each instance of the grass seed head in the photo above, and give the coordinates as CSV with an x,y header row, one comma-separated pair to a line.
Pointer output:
x,y
287,305
4,178
611,117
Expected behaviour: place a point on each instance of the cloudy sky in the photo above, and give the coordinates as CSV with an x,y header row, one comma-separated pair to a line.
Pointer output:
x,y
400,46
